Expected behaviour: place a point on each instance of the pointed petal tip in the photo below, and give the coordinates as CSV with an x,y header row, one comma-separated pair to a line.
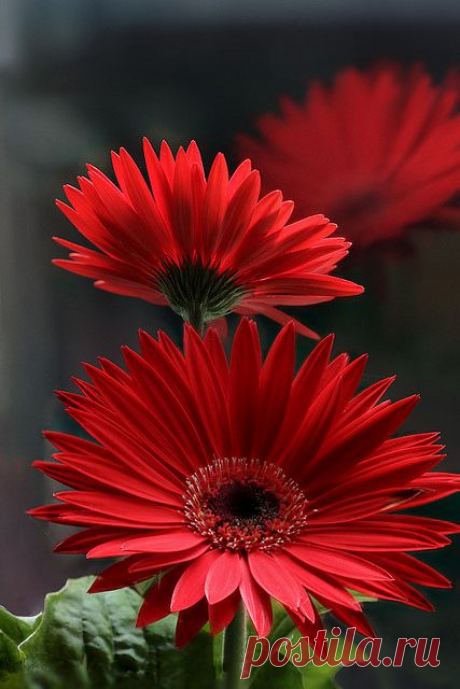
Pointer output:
x,y
289,327
326,342
70,187
247,320
97,586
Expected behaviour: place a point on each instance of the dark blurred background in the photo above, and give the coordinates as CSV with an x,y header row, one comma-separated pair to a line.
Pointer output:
x,y
80,77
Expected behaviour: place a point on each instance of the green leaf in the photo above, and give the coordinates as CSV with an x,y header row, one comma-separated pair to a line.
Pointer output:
x,y
11,663
90,641
16,628
317,678
13,630
269,677
322,677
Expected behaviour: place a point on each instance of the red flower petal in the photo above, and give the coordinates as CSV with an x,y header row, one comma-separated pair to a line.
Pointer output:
x,y
378,151
219,230
223,578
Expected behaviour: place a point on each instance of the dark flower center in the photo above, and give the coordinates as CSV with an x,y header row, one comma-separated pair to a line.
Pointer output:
x,y
240,502
356,205
197,292
244,504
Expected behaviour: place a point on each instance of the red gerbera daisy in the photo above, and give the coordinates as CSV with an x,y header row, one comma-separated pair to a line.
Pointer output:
x,y
204,247
378,151
242,482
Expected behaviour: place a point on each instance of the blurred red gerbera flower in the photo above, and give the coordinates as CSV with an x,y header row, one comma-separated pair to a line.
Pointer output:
x,y
242,482
378,151
204,247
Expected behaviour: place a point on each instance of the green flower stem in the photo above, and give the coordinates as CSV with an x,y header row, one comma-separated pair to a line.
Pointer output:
x,y
235,640
195,318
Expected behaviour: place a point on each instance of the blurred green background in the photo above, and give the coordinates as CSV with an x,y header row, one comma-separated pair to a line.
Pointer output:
x,y
80,77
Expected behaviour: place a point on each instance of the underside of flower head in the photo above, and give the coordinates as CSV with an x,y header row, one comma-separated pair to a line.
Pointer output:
x,y
198,293
378,151
240,481
204,245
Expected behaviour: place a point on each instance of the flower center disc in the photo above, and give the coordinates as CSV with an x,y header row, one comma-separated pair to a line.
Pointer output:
x,y
244,504
359,204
